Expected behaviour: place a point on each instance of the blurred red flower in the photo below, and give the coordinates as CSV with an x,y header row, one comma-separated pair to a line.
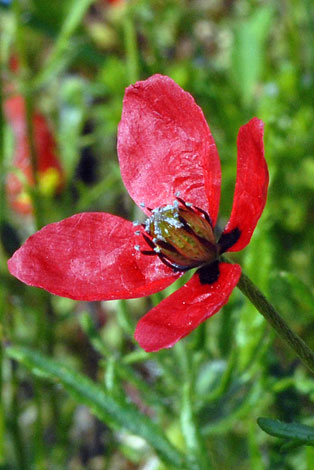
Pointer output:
x,y
50,174
170,167
114,2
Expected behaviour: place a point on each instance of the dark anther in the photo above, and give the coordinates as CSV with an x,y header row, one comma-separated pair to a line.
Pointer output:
x,y
197,208
205,215
207,243
148,253
175,267
209,274
227,240
182,201
149,241
187,228
166,246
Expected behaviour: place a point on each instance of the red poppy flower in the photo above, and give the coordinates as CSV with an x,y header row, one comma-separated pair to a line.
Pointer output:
x,y
170,166
50,174
113,2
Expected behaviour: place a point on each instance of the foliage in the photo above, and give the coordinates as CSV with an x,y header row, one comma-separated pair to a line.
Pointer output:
x,y
66,359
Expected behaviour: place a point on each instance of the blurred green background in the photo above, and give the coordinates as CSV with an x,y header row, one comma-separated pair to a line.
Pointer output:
x,y
238,59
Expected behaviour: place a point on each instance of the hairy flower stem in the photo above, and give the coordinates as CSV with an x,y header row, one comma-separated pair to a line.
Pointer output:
x,y
306,355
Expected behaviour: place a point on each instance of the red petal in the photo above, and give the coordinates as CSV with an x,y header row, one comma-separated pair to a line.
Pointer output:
x,y
165,147
180,313
251,186
90,256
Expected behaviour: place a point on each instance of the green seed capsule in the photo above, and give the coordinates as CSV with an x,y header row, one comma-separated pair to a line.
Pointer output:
x,y
183,234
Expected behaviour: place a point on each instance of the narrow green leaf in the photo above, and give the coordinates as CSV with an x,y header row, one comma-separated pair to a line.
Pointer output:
x,y
250,325
291,445
295,431
111,410
123,370
71,118
302,292
197,458
256,458
230,413
61,50
108,185
215,379
124,317
248,54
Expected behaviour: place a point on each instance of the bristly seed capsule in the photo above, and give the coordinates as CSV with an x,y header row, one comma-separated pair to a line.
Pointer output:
x,y
181,235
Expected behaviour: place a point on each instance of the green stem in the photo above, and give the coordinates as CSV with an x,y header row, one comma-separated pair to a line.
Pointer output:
x,y
28,98
50,343
270,314
131,49
124,317
2,417
38,213
24,73
2,172
39,400
197,457
3,290
17,441
14,405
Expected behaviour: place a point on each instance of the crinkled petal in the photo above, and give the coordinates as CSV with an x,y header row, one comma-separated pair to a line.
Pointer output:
x,y
90,256
165,147
251,187
181,312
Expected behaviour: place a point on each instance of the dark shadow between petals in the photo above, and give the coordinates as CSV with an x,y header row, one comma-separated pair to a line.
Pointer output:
x,y
209,274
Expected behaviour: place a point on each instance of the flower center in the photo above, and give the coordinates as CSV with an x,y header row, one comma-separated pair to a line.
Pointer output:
x,y
181,235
